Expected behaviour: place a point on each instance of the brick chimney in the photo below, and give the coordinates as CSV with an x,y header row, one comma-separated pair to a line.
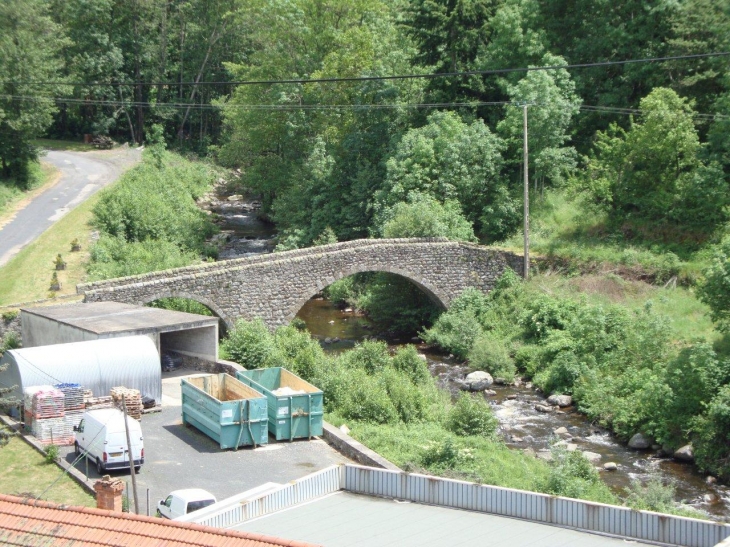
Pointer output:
x,y
109,493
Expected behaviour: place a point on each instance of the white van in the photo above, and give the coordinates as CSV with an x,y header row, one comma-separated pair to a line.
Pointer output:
x,y
101,437
182,502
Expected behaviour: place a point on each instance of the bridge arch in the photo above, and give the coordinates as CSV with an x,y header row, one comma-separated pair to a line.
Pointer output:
x,y
433,292
208,303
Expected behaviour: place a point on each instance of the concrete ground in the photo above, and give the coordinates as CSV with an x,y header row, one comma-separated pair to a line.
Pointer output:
x,y
350,520
178,456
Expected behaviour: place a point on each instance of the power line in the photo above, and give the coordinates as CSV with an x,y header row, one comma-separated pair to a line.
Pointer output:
x,y
304,81
331,107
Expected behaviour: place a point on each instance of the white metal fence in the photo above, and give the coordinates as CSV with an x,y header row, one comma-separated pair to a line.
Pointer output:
x,y
571,513
581,515
316,485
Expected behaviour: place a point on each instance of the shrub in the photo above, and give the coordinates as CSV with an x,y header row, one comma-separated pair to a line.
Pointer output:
x,y
471,415
455,331
490,354
250,344
653,495
51,453
408,361
573,476
367,400
371,355
445,455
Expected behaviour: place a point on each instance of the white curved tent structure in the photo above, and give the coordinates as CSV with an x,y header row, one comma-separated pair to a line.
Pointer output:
x,y
98,365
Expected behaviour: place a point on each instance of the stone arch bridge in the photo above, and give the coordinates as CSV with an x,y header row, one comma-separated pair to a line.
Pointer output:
x,y
276,286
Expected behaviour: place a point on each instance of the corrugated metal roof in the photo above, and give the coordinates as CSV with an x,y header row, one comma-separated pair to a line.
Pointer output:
x,y
32,522
98,365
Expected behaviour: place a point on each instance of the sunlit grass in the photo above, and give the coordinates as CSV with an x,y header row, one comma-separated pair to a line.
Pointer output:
x,y
27,275
57,144
23,472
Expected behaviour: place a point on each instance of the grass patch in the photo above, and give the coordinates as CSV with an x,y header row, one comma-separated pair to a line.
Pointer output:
x,y
28,274
572,236
23,471
41,174
58,144
689,317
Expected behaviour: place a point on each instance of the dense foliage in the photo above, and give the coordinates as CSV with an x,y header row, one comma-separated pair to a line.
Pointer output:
x,y
623,368
149,220
391,402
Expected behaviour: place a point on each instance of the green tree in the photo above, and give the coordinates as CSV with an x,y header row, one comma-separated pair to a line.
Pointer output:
x,y
448,34
449,159
654,171
715,289
29,44
423,216
554,104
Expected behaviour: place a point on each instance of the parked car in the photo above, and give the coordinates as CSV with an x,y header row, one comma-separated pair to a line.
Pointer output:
x,y
101,437
182,502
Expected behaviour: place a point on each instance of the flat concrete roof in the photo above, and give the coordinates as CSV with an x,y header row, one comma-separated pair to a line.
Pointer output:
x,y
114,317
344,519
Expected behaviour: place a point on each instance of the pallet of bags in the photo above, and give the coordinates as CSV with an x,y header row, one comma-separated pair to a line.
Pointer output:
x,y
73,395
51,431
45,402
132,399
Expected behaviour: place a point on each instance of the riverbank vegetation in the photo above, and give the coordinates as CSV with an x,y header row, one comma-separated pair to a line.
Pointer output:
x,y
625,366
149,219
390,402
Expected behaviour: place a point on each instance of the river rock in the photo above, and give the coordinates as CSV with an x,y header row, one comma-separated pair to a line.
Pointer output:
x,y
592,457
478,381
235,197
545,455
515,439
511,397
610,466
639,442
561,431
328,340
544,408
422,357
570,447
529,439
490,392
684,454
500,381
560,400
710,480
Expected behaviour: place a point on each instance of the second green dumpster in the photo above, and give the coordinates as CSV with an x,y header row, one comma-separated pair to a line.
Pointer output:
x,y
295,406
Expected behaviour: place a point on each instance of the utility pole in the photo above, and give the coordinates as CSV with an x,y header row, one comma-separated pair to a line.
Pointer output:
x,y
131,457
526,198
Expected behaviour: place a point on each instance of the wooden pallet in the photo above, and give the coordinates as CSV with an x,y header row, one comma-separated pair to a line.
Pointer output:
x,y
132,398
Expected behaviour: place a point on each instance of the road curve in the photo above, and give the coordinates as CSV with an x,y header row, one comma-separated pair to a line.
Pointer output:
x,y
82,174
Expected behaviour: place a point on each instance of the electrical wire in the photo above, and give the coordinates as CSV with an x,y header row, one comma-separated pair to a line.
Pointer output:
x,y
326,107
304,81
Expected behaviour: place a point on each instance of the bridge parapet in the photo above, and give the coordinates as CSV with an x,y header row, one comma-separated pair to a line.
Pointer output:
x,y
275,286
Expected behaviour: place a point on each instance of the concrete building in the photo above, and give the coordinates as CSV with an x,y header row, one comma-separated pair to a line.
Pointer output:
x,y
184,333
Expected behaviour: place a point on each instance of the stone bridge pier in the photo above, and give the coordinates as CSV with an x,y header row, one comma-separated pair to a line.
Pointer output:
x,y
275,286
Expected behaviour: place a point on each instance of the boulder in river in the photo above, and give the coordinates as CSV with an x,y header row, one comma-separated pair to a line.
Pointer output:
x,y
478,381
544,408
592,457
610,466
561,431
639,442
490,392
545,455
684,454
560,400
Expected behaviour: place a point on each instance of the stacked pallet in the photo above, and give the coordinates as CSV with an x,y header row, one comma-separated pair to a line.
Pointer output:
x,y
72,419
97,403
132,398
44,412
73,395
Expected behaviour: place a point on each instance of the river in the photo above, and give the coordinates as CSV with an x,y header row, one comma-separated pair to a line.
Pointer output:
x,y
521,425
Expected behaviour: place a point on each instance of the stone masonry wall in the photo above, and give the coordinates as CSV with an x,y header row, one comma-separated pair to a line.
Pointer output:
x,y
276,286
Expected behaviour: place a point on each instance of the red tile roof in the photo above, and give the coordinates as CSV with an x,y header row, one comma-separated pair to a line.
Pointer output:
x,y
40,523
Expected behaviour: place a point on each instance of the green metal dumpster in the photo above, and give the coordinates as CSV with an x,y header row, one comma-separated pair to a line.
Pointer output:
x,y
226,410
295,406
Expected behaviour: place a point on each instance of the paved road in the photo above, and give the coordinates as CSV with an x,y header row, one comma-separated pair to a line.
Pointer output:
x,y
82,174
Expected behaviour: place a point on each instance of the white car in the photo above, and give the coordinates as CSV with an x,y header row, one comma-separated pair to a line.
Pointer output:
x,y
182,502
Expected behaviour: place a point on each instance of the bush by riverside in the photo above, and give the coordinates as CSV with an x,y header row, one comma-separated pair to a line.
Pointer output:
x,y
149,220
391,403
622,367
